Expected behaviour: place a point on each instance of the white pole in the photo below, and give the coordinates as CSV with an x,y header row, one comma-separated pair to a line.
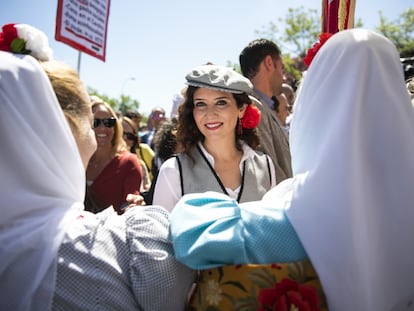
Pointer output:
x,y
79,61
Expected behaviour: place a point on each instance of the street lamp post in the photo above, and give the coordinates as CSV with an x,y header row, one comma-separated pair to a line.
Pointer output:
x,y
125,82
122,106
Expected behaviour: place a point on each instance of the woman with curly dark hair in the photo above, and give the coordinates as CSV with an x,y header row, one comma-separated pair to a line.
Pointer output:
x,y
217,133
165,144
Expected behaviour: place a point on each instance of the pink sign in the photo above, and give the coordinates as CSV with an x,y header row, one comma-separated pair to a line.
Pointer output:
x,y
83,25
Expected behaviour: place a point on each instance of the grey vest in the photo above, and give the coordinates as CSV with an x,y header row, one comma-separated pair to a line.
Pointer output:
x,y
199,176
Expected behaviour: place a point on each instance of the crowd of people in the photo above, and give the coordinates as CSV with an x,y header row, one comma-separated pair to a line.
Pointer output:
x,y
254,195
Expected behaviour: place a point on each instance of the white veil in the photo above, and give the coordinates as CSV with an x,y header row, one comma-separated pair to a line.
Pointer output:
x,y
41,183
352,144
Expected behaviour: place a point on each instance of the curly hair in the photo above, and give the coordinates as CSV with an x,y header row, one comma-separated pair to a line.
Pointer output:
x,y
188,134
165,142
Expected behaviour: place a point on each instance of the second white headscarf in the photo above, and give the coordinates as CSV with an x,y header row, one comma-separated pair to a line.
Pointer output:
x,y
352,146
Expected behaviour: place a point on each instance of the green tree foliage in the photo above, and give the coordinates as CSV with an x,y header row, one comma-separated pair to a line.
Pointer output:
x,y
127,104
121,105
400,31
235,66
302,28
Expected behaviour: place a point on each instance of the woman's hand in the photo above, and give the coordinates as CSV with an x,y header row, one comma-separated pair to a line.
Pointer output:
x,y
132,200
135,199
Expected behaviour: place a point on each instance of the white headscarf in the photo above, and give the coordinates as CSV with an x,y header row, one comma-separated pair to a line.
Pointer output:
x,y
352,144
42,183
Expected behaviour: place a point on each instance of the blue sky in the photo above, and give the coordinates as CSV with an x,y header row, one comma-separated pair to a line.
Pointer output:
x,y
157,42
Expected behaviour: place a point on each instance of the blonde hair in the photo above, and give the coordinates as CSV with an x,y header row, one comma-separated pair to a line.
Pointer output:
x,y
68,88
71,95
118,143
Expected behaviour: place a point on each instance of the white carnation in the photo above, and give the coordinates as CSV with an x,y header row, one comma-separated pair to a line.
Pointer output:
x,y
36,41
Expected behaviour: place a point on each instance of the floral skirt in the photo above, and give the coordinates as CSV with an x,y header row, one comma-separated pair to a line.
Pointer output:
x,y
287,286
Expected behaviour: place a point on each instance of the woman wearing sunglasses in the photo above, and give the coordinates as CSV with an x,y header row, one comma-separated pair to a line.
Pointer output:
x,y
113,172
132,140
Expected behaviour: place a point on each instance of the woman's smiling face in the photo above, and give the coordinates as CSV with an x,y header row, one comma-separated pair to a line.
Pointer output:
x,y
216,113
103,134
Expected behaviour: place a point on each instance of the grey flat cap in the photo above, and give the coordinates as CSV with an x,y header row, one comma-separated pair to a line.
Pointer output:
x,y
219,78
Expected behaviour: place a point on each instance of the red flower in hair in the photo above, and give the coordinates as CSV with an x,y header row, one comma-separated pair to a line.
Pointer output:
x,y
251,117
323,37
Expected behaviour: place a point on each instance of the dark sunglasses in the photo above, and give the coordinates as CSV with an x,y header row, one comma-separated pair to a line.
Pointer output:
x,y
129,136
157,116
108,122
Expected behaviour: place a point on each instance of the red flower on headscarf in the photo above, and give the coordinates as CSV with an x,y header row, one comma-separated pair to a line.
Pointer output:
x,y
323,37
25,39
288,295
251,117
7,36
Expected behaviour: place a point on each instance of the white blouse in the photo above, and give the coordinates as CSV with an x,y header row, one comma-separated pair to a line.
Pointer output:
x,y
167,191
